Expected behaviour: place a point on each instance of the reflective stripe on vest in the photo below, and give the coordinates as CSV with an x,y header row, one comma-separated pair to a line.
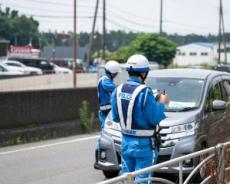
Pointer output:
x,y
127,129
105,107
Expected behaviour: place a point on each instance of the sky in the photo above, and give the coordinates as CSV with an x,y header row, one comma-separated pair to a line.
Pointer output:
x,y
179,16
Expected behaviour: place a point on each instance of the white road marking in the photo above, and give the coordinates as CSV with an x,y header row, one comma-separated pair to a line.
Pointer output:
x,y
50,145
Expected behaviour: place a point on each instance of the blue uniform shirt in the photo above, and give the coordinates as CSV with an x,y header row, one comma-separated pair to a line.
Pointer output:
x,y
105,88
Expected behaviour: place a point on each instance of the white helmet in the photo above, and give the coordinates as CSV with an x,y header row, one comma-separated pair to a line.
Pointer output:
x,y
112,67
137,63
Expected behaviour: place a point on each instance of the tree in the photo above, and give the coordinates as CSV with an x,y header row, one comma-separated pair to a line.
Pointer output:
x,y
154,47
22,29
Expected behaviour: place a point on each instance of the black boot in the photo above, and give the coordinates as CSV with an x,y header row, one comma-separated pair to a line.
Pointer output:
x,y
96,166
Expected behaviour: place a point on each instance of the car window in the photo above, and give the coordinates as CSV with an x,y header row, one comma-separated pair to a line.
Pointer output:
x,y
184,93
44,62
226,90
2,69
13,64
214,94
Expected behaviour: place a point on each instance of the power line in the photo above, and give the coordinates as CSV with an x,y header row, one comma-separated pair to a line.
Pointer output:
x,y
128,20
120,25
126,12
55,3
35,9
180,24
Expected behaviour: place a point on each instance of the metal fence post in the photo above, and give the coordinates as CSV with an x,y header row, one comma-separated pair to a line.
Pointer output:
x,y
221,164
181,173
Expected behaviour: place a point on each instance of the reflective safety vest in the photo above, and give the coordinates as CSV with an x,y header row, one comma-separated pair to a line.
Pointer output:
x,y
126,95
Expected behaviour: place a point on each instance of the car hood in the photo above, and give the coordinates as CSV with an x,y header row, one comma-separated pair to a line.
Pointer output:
x,y
177,118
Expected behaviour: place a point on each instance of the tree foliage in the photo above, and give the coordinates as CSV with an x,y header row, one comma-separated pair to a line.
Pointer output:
x,y
154,47
20,30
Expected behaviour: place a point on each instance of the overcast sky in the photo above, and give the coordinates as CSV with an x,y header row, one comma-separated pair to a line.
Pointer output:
x,y
179,16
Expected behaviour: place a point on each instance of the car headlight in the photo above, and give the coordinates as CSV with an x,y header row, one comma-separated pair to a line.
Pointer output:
x,y
112,125
186,128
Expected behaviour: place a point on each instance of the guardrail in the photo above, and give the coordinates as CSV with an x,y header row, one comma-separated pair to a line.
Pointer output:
x,y
214,167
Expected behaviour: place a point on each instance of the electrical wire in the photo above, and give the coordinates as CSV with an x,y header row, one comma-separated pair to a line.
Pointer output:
x,y
55,3
125,18
49,16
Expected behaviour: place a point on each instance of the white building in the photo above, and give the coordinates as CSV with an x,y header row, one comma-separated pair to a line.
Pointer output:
x,y
195,54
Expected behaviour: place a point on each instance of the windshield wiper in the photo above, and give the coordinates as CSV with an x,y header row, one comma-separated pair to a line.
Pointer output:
x,y
187,109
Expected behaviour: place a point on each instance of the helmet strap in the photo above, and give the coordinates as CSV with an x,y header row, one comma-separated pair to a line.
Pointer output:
x,y
111,75
143,76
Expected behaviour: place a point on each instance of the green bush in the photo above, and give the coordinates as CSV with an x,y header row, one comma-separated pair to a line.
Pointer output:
x,y
86,117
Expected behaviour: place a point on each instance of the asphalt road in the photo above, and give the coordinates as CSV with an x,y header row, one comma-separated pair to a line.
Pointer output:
x,y
60,161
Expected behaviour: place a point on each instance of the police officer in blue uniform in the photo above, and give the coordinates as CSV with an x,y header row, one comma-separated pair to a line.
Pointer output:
x,y
105,88
135,108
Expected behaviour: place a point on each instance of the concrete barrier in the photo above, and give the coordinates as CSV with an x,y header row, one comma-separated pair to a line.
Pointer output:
x,y
50,81
28,108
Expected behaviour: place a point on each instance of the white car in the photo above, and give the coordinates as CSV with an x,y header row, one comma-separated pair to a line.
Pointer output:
x,y
27,70
61,70
6,70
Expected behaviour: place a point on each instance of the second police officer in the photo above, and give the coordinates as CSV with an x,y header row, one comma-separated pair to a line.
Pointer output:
x,y
105,88
135,107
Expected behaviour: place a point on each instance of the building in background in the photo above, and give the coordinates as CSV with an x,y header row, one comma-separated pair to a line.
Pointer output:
x,y
24,51
62,52
200,53
195,54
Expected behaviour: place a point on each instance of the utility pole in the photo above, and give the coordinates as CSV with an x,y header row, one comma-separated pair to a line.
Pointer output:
x,y
221,35
161,15
224,40
74,43
92,35
104,31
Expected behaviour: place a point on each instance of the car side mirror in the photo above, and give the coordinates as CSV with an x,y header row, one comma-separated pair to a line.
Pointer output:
x,y
218,105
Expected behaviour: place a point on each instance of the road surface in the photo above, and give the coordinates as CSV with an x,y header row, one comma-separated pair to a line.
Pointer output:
x,y
60,161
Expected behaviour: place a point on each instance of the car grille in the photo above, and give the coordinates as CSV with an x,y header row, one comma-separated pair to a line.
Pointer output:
x,y
165,141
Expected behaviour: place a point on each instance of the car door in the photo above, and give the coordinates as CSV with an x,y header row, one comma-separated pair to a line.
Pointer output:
x,y
213,120
226,96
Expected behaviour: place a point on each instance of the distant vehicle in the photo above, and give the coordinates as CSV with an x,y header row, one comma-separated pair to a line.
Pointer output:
x,y
63,62
197,117
92,69
28,70
68,63
6,70
42,63
61,70
223,67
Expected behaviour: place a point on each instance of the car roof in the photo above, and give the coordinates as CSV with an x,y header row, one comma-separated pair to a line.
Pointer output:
x,y
12,61
184,72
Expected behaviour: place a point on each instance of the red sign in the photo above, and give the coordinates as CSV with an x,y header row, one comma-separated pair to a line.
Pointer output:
x,y
20,49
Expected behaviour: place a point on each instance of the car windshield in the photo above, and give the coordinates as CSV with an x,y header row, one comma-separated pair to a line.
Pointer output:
x,y
185,94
